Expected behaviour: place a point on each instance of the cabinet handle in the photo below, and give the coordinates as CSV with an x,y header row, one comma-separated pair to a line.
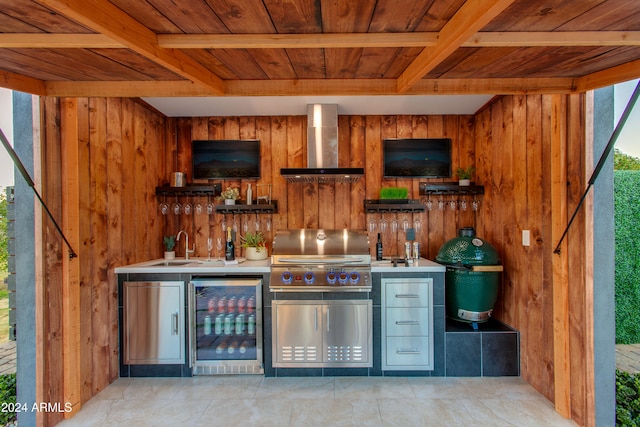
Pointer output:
x,y
407,296
408,351
407,322
316,317
174,323
328,322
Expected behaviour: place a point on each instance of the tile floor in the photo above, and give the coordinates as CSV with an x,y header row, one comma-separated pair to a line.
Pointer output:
x,y
318,401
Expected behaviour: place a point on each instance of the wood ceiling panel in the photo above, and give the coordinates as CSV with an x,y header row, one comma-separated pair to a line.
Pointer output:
x,y
295,16
149,16
197,18
611,15
17,62
37,17
240,63
598,59
210,62
527,15
346,16
308,63
134,62
274,63
243,16
439,14
398,15
342,63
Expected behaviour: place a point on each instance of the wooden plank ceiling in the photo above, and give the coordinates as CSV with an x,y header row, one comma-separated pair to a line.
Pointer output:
x,y
316,47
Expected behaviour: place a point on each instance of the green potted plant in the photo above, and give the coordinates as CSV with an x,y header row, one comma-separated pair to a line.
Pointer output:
x,y
230,195
169,242
255,244
464,175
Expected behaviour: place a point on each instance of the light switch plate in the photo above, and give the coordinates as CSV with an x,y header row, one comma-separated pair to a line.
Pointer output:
x,y
526,238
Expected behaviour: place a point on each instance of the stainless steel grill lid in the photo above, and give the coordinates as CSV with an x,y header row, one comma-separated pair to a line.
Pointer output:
x,y
321,244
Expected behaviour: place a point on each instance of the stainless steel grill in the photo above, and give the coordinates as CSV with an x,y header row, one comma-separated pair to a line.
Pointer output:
x,y
320,260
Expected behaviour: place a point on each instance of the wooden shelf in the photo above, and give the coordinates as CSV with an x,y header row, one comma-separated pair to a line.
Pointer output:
x,y
449,188
190,190
380,206
248,209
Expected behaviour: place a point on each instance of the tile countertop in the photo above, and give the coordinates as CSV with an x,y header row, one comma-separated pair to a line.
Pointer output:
x,y
201,265
196,265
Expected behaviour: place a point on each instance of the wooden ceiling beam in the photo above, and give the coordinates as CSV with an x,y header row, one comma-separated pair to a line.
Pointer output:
x,y
105,18
621,73
468,20
22,83
183,88
311,41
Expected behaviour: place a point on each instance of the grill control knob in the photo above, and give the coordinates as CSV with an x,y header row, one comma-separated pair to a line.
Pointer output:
x,y
332,277
354,277
287,278
342,278
309,278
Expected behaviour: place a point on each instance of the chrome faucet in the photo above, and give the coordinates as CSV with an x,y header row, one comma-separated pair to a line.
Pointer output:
x,y
187,251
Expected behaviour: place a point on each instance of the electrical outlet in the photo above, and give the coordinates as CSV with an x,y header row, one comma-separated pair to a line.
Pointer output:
x,y
526,238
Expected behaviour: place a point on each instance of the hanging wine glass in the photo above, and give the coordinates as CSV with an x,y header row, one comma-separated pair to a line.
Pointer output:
x,y
164,206
187,208
463,203
210,206
416,224
218,246
452,203
177,207
269,223
223,224
257,223
475,205
441,203
405,224
199,209
429,203
372,224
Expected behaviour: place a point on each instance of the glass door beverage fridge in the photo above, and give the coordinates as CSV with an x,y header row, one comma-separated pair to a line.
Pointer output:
x,y
226,326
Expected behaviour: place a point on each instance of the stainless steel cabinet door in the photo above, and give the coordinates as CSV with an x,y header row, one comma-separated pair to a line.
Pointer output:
x,y
153,323
298,333
348,331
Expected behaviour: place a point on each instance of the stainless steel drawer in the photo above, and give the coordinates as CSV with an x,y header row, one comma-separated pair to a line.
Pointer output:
x,y
406,293
407,321
408,352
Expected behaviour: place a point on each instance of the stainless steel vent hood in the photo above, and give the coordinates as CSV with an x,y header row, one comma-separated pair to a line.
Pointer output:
x,y
322,149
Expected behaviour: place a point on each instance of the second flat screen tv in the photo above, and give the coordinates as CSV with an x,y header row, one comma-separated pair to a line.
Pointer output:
x,y
417,158
226,159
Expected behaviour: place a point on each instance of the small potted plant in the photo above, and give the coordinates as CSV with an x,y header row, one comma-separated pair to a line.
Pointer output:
x,y
255,244
395,194
169,242
230,195
464,175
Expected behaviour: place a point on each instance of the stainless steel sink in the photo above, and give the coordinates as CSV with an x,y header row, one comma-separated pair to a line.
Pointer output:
x,y
173,263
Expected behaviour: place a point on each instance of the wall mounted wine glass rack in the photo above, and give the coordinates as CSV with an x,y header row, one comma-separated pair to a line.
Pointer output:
x,y
427,188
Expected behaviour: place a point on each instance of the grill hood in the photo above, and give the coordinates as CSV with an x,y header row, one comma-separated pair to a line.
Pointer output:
x,y
322,149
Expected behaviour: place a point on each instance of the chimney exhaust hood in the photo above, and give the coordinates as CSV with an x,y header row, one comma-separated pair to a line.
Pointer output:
x,y
322,150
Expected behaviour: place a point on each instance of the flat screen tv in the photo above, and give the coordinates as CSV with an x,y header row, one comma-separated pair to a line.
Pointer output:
x,y
226,159
417,158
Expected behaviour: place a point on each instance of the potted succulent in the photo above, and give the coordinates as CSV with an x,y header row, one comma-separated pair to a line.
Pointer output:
x,y
255,244
230,195
464,175
169,242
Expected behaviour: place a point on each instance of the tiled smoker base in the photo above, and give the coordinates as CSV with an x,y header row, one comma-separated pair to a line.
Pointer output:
x,y
492,351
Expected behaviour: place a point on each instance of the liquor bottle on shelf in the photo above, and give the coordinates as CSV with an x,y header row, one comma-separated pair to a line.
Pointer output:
x,y
230,250
251,304
242,304
233,347
249,195
222,305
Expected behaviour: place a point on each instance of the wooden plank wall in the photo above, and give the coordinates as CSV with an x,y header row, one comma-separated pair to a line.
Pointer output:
x,y
334,205
514,150
121,145
126,149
